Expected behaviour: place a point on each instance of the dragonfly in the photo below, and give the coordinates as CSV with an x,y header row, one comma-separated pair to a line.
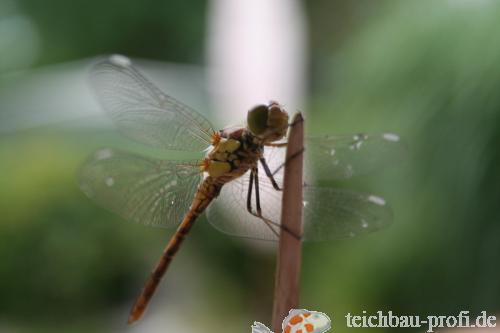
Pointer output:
x,y
236,178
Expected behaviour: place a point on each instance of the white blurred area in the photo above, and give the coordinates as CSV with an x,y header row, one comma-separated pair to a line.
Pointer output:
x,y
256,52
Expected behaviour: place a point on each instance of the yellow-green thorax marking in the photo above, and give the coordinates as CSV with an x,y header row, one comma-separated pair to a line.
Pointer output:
x,y
237,150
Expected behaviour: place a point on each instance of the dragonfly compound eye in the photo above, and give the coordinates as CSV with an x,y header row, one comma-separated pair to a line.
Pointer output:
x,y
257,119
277,121
268,122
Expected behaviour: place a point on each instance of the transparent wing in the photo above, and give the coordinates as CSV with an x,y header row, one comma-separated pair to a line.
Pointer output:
x,y
345,156
342,157
143,113
329,213
140,189
229,214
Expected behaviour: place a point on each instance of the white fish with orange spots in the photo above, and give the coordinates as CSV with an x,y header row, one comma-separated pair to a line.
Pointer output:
x,y
299,321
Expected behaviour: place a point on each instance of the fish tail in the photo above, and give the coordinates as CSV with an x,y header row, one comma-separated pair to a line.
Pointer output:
x,y
260,328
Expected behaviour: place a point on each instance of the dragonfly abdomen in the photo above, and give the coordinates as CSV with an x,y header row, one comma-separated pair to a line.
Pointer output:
x,y
207,191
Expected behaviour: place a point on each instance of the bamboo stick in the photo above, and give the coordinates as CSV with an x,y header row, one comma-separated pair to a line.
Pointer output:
x,y
287,283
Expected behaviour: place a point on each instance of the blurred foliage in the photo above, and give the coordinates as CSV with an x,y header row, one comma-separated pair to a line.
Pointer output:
x,y
54,249
428,71
153,29
424,69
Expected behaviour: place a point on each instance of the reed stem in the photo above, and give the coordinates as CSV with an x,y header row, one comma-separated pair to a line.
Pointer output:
x,y
287,283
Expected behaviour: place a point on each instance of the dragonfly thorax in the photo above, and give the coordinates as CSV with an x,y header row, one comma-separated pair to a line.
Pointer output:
x,y
235,151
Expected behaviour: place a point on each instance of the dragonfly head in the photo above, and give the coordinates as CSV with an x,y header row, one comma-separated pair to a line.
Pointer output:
x,y
268,122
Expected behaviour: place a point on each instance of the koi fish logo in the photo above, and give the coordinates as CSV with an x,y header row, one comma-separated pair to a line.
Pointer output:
x,y
299,321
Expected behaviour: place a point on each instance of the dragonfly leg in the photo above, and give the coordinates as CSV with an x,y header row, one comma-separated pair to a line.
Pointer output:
x,y
269,174
277,145
258,214
269,223
296,121
299,119
257,192
249,194
300,152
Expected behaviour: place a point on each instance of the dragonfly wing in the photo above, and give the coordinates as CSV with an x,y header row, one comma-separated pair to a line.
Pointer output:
x,y
328,213
143,113
345,156
331,213
148,191
229,214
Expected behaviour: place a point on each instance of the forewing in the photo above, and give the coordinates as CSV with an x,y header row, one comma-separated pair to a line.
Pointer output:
x,y
345,156
331,213
143,113
148,191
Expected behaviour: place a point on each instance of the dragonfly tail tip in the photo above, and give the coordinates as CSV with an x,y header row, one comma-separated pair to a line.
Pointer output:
x,y
132,318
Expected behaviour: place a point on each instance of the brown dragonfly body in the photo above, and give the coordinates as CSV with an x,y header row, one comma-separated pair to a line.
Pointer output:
x,y
164,192
234,152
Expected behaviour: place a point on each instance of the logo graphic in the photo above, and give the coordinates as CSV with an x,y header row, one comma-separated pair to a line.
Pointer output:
x,y
299,321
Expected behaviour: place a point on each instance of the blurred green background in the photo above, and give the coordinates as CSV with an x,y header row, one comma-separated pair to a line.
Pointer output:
x,y
428,70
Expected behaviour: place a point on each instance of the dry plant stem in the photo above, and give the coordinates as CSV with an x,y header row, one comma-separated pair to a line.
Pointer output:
x,y
287,284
